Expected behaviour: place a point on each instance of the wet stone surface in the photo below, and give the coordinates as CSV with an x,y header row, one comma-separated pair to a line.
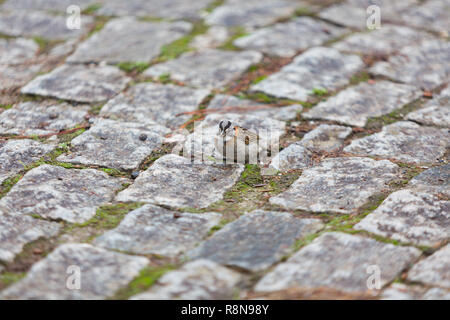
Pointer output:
x,y
18,230
339,261
34,118
40,24
353,13
16,154
79,83
410,217
155,230
103,273
339,185
286,39
206,69
154,104
196,280
355,105
115,144
425,65
379,42
433,270
172,9
316,68
174,181
131,34
250,14
256,240
435,112
57,193
222,101
405,141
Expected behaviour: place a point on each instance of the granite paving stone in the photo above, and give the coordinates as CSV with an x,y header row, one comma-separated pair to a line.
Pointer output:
x,y
48,5
18,230
287,39
174,181
339,185
411,217
355,105
15,155
400,291
41,24
130,33
432,15
294,156
434,180
256,240
316,68
208,69
353,13
433,270
17,51
283,113
197,280
102,274
404,141
12,77
153,103
54,192
115,144
155,230
381,42
171,9
425,65
35,118
79,83
339,261
435,112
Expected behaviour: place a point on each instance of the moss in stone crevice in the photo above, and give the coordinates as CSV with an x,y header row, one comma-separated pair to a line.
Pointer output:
x,y
9,278
146,278
133,67
213,5
219,226
5,106
45,45
236,32
91,9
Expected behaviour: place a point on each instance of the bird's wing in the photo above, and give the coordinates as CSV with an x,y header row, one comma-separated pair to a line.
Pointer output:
x,y
245,135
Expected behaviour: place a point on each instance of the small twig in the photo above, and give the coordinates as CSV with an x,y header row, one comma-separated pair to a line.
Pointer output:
x,y
41,136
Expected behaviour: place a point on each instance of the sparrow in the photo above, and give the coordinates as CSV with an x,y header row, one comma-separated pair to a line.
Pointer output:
x,y
237,144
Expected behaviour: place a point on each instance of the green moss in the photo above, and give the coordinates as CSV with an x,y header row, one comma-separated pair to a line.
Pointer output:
x,y
91,9
213,5
362,76
45,45
9,278
303,11
96,108
320,92
99,23
5,106
146,278
216,228
133,66
164,78
8,184
236,32
259,79
114,172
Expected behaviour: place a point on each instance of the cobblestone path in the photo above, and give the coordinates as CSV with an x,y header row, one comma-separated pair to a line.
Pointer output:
x,y
97,202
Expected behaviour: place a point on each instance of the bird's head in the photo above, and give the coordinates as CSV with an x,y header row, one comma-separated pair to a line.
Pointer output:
x,y
224,127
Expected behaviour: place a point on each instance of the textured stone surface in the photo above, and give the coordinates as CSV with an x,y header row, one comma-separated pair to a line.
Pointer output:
x,y
411,217
114,144
435,112
256,240
355,105
16,154
400,291
339,184
294,156
404,141
201,142
17,230
339,261
57,193
49,5
221,101
251,13
424,65
30,118
286,39
40,24
155,230
434,180
17,75
207,69
326,137
17,51
153,103
174,181
316,68
196,280
353,13
213,38
384,41
431,15
102,274
173,9
79,83
434,270
131,34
